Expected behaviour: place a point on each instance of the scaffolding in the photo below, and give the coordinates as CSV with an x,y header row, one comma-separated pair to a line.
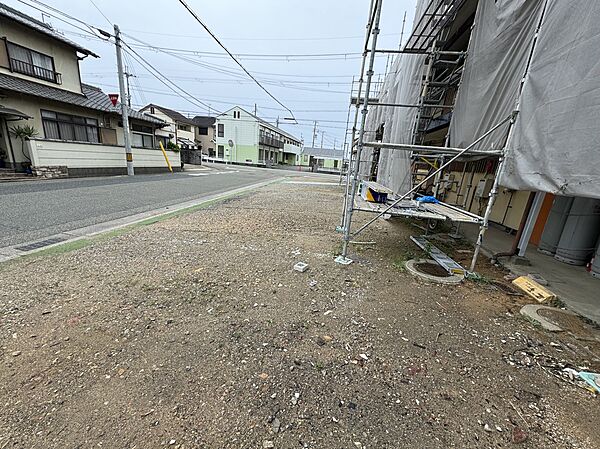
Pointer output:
x,y
442,71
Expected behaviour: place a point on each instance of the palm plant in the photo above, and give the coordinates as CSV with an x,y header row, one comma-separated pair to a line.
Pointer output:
x,y
25,132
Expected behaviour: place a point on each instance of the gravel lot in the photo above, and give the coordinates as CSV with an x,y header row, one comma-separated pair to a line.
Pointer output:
x,y
195,332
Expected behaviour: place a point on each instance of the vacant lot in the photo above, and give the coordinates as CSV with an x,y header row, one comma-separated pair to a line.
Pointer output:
x,y
195,332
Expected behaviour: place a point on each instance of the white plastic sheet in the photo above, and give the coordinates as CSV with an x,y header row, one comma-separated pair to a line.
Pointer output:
x,y
555,146
499,48
401,85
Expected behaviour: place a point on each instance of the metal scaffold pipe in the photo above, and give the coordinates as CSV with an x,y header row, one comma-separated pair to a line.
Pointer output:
x,y
361,134
355,122
415,188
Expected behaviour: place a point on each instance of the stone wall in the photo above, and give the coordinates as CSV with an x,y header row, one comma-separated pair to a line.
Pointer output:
x,y
46,171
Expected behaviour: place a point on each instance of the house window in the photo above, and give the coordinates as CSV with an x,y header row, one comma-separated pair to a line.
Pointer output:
x,y
220,130
183,127
163,139
32,63
306,158
220,151
203,131
70,127
141,136
335,164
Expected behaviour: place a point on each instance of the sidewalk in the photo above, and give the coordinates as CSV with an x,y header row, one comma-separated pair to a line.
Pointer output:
x,y
196,332
573,285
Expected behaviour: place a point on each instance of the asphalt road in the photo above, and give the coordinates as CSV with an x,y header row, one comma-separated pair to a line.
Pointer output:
x,y
33,210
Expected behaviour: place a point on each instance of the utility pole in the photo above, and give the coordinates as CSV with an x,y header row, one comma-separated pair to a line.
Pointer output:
x,y
127,76
277,122
334,142
322,135
314,134
254,108
124,111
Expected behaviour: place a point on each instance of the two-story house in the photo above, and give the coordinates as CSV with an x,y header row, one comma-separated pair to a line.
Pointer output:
x,y
179,129
205,134
244,138
74,128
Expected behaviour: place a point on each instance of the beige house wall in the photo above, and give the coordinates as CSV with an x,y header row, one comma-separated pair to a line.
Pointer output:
x,y
65,57
508,207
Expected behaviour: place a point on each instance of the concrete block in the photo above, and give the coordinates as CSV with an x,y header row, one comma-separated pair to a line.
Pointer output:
x,y
301,267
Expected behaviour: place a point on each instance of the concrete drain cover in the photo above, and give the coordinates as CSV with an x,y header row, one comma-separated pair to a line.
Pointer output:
x,y
427,273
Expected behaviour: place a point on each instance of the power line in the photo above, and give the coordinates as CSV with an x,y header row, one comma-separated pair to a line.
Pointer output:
x,y
100,11
171,85
233,57
236,103
322,38
90,29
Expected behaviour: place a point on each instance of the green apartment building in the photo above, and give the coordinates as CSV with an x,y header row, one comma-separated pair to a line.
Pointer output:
x,y
244,138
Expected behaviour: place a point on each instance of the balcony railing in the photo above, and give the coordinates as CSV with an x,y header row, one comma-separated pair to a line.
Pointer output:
x,y
35,71
265,139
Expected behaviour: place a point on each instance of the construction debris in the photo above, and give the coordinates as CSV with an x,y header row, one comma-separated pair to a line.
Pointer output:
x,y
533,289
301,267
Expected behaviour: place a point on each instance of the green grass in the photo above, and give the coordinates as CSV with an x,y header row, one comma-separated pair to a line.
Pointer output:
x,y
399,262
478,278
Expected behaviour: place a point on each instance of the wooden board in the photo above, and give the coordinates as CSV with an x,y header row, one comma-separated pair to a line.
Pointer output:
x,y
533,289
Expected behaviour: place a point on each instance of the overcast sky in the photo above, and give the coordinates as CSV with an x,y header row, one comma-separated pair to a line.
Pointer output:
x,y
313,88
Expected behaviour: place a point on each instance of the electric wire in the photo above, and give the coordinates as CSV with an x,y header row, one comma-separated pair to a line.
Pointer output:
x,y
233,57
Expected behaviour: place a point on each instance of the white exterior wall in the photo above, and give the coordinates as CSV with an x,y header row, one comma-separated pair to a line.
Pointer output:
x,y
294,149
65,57
89,155
165,131
242,131
189,135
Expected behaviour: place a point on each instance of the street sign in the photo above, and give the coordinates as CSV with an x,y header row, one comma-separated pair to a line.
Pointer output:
x,y
113,98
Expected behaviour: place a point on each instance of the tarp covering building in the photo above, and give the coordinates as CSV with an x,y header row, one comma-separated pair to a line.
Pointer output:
x,y
556,134
555,146
402,85
499,48
555,142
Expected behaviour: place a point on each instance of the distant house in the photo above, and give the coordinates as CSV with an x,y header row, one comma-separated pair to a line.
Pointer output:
x,y
179,129
244,138
322,159
78,131
205,134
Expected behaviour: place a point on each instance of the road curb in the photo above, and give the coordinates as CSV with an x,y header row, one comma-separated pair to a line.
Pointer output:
x,y
12,252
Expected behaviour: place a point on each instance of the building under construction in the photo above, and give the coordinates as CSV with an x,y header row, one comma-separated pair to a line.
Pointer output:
x,y
492,108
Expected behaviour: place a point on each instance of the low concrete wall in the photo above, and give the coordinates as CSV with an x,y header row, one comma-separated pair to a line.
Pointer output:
x,y
87,159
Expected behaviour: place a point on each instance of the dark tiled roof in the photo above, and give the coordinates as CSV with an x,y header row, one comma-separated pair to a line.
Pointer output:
x,y
204,121
176,116
323,152
92,97
41,27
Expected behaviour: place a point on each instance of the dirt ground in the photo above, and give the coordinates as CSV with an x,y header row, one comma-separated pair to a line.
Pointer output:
x,y
195,332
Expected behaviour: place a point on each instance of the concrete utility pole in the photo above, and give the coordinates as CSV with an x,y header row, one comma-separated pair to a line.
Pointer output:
x,y
127,76
322,135
314,134
124,111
